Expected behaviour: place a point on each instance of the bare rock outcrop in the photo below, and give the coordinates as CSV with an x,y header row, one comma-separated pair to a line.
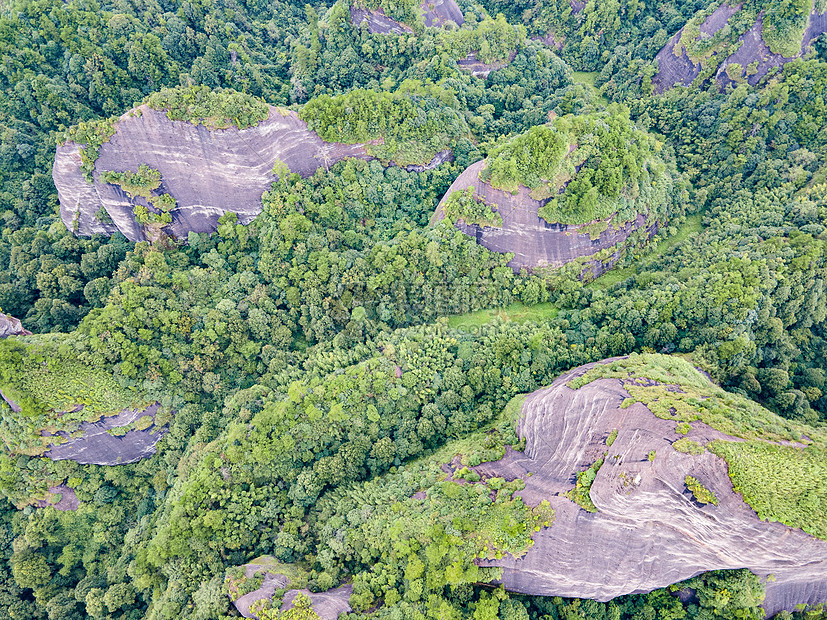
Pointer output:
x,y
208,173
61,497
101,443
10,326
481,69
753,50
435,14
752,58
648,531
377,21
675,68
534,242
327,605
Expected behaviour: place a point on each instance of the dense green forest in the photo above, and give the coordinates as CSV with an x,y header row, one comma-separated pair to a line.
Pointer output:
x,y
317,366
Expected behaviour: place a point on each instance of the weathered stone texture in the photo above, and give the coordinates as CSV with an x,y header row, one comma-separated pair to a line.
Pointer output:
x,y
649,532
208,172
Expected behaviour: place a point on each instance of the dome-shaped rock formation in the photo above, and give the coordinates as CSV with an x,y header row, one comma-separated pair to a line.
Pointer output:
x,y
650,528
562,191
207,172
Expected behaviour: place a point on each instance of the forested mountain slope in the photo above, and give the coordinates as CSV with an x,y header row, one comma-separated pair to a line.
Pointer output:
x,y
325,393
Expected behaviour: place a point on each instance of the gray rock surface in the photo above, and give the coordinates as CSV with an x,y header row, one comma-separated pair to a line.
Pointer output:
x,y
481,69
438,159
270,583
534,242
68,500
680,70
437,13
377,21
97,446
327,605
649,531
207,172
10,326
752,48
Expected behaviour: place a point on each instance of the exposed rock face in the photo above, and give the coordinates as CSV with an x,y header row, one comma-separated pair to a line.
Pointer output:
x,y
435,14
67,498
679,70
207,172
96,446
649,531
481,69
377,21
327,605
534,242
752,48
10,326
438,159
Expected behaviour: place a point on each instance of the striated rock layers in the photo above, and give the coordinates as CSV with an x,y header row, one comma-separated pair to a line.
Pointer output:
x,y
648,531
534,242
208,173
105,442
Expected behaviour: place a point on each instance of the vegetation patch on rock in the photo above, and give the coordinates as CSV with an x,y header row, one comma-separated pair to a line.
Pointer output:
x,y
586,168
406,128
464,205
52,389
215,108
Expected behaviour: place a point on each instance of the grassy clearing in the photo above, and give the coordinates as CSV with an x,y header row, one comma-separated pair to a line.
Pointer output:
x,y
692,225
588,78
516,312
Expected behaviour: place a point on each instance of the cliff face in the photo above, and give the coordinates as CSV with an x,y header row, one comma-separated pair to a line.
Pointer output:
x,y
10,326
753,49
534,242
648,531
676,68
208,172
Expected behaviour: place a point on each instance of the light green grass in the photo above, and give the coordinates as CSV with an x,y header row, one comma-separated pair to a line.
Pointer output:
x,y
782,483
692,225
588,78
49,384
516,312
